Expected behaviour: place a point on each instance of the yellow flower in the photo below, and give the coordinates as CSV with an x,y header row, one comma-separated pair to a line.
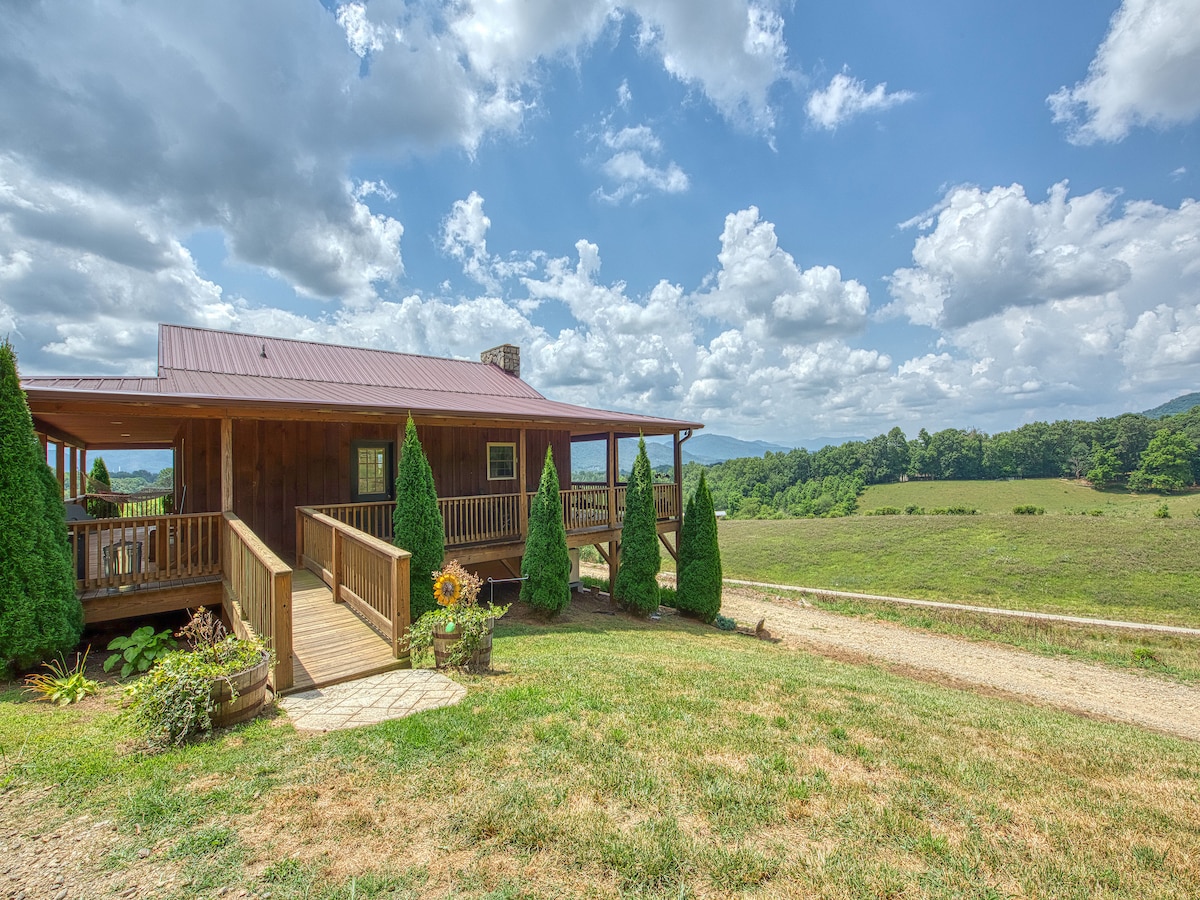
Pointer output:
x,y
447,589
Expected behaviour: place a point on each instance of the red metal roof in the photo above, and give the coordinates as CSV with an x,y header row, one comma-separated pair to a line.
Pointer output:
x,y
199,365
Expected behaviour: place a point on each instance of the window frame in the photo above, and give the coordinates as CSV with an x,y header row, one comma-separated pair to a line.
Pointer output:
x,y
389,448
488,460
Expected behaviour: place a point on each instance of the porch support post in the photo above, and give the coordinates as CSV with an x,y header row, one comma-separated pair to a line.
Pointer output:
x,y
523,467
614,564
59,452
678,479
613,459
227,465
41,436
74,471
83,470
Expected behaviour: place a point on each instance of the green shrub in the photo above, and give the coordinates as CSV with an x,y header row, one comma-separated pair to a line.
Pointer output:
x,y
40,615
885,511
1029,510
954,511
913,510
699,582
546,564
636,588
725,623
100,482
668,596
417,523
139,651
1163,512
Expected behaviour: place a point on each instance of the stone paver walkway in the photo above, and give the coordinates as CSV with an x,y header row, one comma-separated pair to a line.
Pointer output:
x,y
368,701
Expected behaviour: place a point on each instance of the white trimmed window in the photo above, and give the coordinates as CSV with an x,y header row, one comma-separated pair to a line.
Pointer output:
x,y
501,461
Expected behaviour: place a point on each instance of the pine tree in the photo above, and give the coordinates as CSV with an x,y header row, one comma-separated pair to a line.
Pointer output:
x,y
40,615
99,480
699,584
546,562
417,522
637,579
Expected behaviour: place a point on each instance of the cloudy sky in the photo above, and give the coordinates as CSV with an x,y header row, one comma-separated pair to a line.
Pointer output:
x,y
786,220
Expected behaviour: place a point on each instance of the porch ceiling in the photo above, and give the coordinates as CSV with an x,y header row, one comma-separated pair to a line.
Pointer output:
x,y
108,431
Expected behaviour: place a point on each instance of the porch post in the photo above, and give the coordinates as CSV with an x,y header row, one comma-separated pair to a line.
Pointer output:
x,y
523,487
42,440
678,479
83,468
611,466
58,466
227,465
74,471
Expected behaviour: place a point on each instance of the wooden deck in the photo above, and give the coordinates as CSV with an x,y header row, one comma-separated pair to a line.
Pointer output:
x,y
330,644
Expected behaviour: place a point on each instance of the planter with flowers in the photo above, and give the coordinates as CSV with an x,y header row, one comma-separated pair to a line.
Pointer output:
x,y
459,631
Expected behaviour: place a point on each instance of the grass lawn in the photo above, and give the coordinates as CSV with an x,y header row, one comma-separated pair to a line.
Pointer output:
x,y
613,758
1056,496
1141,569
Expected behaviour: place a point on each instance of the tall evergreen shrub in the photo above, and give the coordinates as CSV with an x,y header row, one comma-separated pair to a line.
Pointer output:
x,y
99,480
546,562
417,522
40,615
699,583
637,579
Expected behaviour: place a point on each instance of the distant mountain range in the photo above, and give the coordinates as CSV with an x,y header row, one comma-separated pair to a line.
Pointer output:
x,y
703,448
1173,407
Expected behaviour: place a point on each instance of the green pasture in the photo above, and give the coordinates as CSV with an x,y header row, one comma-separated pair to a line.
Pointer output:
x,y
1056,496
613,758
1117,567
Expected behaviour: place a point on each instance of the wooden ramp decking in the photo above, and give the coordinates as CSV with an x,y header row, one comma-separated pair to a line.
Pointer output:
x,y
330,644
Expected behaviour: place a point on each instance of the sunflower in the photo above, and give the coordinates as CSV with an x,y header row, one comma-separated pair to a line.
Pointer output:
x,y
447,589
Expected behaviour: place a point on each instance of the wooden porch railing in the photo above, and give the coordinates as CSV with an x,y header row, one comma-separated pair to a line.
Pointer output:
x,y
366,573
258,592
375,517
115,553
489,518
666,502
494,518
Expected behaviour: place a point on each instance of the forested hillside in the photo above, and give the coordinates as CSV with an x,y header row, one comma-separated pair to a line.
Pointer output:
x,y
1148,454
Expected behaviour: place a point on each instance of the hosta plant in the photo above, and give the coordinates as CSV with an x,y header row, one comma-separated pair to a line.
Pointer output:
x,y
139,651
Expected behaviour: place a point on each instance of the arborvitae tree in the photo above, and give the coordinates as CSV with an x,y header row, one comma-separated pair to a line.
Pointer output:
x,y
40,615
546,563
99,480
637,579
417,522
698,589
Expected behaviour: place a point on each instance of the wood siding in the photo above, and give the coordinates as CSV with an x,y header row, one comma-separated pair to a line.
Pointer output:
x,y
279,465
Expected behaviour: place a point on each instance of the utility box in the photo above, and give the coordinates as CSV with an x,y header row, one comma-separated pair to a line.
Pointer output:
x,y
576,579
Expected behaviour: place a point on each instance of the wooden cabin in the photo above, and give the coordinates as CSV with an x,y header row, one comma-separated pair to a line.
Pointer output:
x,y
285,455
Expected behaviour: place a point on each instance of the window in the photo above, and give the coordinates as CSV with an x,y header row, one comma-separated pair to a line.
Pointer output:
x,y
371,471
502,461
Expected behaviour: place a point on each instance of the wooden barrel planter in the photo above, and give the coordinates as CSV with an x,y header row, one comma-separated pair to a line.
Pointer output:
x,y
250,686
481,659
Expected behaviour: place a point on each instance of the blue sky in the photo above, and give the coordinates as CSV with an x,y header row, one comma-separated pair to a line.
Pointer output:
x,y
785,220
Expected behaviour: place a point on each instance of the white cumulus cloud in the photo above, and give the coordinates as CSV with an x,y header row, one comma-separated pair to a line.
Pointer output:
x,y
1145,72
847,97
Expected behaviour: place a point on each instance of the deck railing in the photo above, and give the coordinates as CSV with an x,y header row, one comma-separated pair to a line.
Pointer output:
x,y
116,553
258,590
366,573
490,518
495,518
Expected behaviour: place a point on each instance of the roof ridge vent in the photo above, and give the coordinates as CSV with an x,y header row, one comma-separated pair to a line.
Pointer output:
x,y
506,356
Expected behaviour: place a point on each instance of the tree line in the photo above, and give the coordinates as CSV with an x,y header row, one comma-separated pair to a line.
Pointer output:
x,y
1147,454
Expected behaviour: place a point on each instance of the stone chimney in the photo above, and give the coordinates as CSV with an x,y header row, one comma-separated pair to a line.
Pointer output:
x,y
506,356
